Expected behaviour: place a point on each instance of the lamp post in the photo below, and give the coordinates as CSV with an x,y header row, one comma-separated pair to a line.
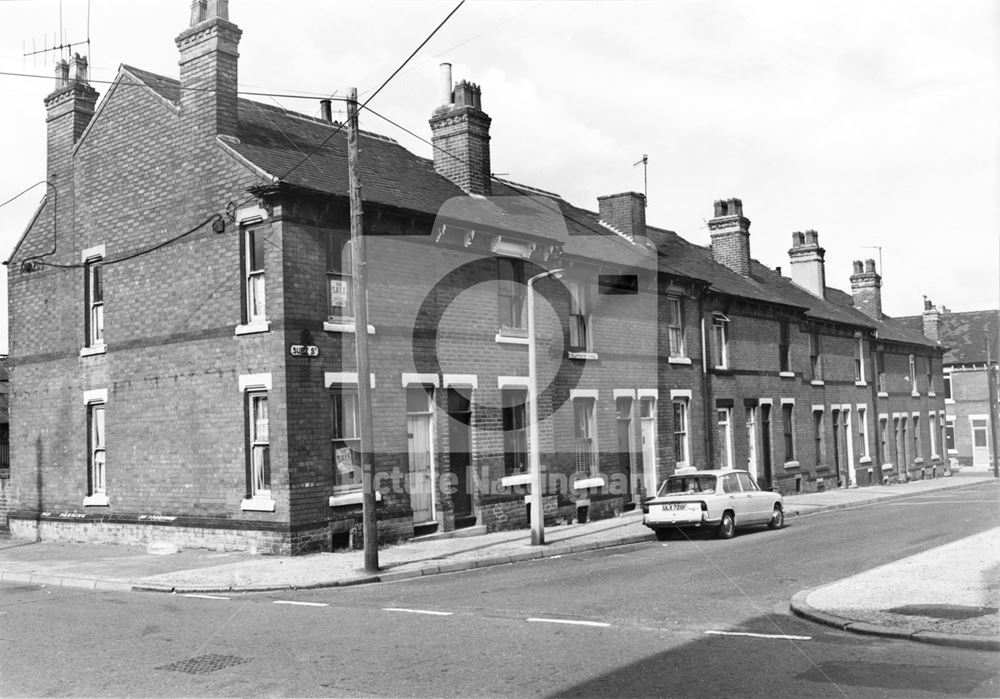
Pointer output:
x,y
537,519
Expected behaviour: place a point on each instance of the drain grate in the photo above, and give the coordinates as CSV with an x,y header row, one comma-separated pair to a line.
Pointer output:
x,y
943,611
203,664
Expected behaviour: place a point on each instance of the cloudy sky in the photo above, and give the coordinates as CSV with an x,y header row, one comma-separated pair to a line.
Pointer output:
x,y
874,123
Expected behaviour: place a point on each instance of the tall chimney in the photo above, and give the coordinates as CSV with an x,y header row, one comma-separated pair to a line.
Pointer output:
x,y
866,288
69,109
806,262
625,212
208,61
461,136
730,232
932,321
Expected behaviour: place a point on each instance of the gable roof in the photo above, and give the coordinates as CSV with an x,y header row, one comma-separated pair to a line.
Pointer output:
x,y
963,334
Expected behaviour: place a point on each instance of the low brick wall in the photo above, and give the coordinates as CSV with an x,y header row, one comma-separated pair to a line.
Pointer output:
x,y
505,512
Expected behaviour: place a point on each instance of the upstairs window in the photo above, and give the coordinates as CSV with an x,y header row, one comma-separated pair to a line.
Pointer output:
x,y
784,348
675,326
253,262
815,357
930,376
512,298
947,387
94,302
579,317
880,372
720,341
339,282
859,360
913,374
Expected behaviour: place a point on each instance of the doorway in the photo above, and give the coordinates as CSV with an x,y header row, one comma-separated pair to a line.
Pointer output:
x,y
460,454
626,448
420,445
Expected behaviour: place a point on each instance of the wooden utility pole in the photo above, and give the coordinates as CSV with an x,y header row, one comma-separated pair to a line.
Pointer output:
x,y
991,400
358,275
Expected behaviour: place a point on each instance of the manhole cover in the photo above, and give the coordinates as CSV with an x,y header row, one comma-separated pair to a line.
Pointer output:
x,y
943,611
203,664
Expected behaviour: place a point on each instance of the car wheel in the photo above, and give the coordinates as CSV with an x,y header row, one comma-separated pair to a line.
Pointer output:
x,y
727,527
777,519
662,534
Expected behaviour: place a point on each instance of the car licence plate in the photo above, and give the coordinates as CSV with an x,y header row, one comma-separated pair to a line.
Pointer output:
x,y
674,506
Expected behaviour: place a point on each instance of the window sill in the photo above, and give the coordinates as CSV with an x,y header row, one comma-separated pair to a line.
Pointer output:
x,y
915,394
917,461
883,394
596,482
817,382
887,467
332,327
516,480
949,401
952,452
581,355
865,460
791,464
91,351
96,500
354,498
860,383
679,360
257,326
510,339
257,504
932,394
786,374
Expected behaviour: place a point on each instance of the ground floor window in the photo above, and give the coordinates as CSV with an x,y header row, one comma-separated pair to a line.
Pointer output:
x,y
515,432
680,408
345,439
97,473
259,446
586,445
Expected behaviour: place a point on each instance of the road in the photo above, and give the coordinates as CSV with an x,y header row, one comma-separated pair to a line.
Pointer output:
x,y
688,617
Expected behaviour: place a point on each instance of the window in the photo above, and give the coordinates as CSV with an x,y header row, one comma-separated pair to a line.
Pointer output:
x,y
259,446
913,375
346,440
784,348
815,357
818,437
863,432
681,432
933,428
883,438
675,326
930,376
95,303
947,386
880,372
724,436
917,442
340,291
788,425
512,297
253,260
949,434
96,471
859,360
720,340
586,445
515,433
579,316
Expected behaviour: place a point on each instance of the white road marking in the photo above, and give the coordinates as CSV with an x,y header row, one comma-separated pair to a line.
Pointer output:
x,y
779,636
205,596
416,611
575,622
302,604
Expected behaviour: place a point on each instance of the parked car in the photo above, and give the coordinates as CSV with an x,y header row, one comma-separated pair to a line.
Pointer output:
x,y
723,500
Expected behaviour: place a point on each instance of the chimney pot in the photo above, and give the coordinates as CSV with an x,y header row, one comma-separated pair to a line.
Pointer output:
x,y
79,68
62,73
460,132
870,266
859,267
326,110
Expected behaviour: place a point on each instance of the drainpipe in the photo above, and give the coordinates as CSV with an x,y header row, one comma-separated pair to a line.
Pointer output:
x,y
706,386
879,457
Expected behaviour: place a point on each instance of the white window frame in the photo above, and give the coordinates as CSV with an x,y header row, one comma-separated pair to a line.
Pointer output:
x,y
788,430
509,292
913,376
932,425
250,386
727,432
259,443
720,340
585,407
254,275
675,326
815,358
339,268
948,395
580,313
949,426
510,392
339,437
859,362
862,416
97,445
684,433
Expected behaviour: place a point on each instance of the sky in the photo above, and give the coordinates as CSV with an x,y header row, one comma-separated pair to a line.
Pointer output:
x,y
873,123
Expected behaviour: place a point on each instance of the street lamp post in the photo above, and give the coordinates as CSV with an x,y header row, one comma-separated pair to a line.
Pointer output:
x,y
537,519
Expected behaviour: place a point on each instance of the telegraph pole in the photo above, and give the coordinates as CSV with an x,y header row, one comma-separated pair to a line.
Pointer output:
x,y
991,400
358,267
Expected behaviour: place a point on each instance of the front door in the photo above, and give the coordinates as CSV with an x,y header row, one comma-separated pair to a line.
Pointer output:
x,y
623,411
765,446
980,450
647,420
420,443
460,450
752,440
837,451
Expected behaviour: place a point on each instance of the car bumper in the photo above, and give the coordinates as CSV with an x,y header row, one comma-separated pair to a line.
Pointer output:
x,y
668,520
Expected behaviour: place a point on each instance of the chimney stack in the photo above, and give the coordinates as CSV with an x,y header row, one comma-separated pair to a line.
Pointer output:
x,y
625,212
932,321
69,109
730,232
866,288
461,135
208,61
806,261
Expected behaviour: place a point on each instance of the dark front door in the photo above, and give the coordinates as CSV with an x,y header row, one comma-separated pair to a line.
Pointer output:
x,y
459,457
765,446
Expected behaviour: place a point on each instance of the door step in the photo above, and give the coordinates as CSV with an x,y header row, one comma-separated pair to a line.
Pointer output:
x,y
457,534
424,529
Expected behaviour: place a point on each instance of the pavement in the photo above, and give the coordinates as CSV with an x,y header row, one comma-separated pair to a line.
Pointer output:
x,y
949,595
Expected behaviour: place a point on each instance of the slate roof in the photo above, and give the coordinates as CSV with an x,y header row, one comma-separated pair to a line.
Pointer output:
x,y
964,334
310,153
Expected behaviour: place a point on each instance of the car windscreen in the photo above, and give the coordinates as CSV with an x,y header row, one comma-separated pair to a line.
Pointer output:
x,y
687,484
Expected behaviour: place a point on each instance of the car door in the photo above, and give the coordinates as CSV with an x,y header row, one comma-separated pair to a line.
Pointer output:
x,y
760,502
739,501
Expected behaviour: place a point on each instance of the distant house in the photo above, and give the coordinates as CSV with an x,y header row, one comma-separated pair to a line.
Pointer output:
x,y
183,333
964,336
